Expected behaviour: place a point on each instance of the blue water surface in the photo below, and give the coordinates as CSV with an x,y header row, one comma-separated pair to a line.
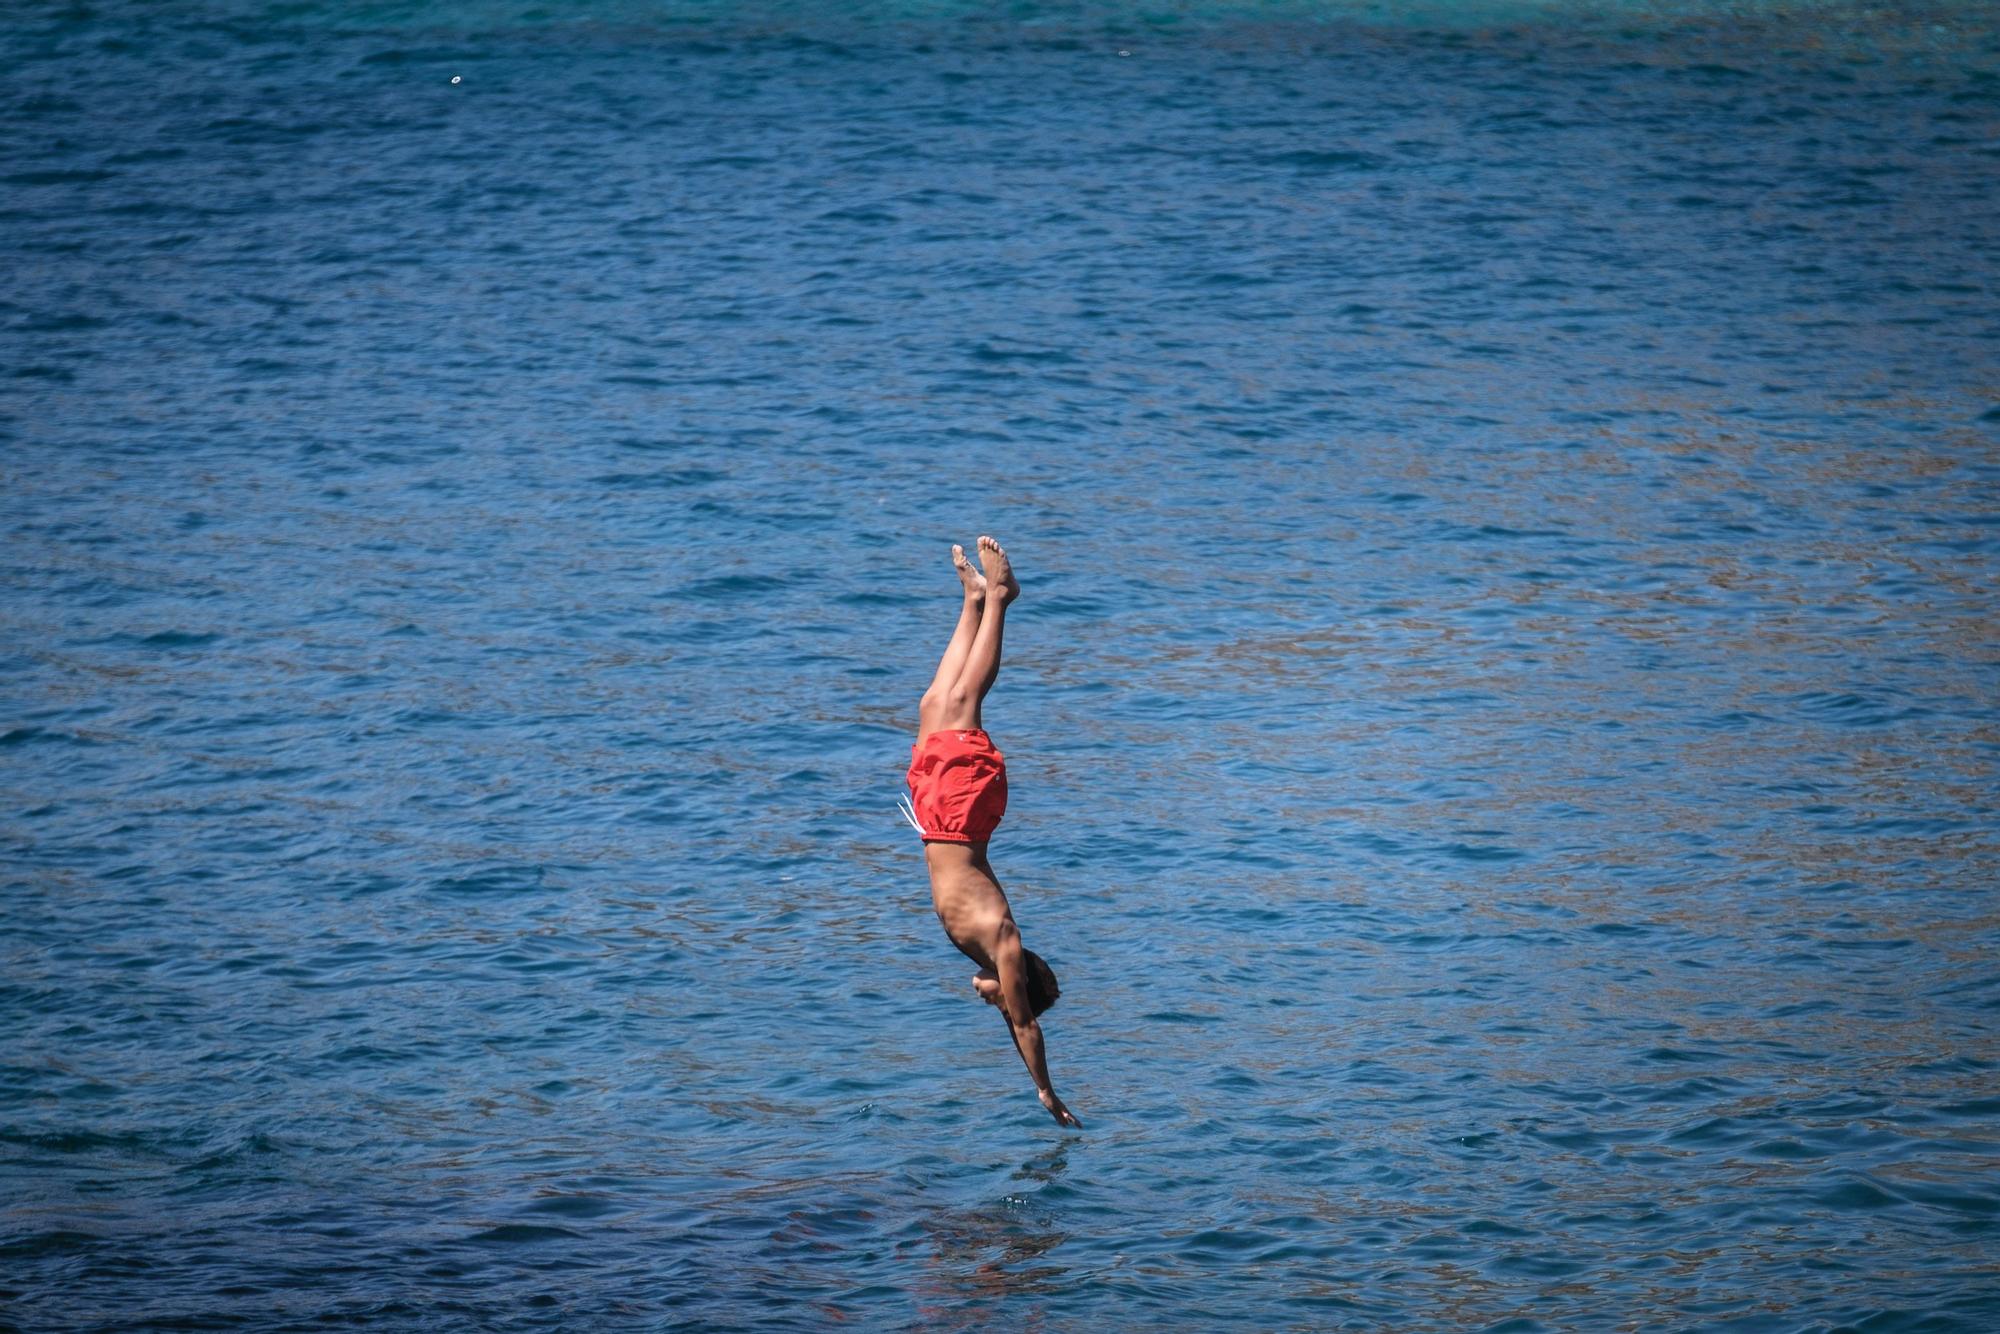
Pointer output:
x,y
1502,718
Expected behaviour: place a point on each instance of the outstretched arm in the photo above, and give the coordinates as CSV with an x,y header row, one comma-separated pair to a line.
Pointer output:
x,y
1027,1034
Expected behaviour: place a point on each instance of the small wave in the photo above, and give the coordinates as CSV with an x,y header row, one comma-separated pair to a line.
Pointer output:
x,y
522,1234
728,587
1857,1191
76,176
573,1206
1330,159
1856,708
496,880
664,479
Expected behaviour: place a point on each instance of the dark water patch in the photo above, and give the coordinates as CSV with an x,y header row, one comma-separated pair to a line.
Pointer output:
x,y
1974,1108
55,1242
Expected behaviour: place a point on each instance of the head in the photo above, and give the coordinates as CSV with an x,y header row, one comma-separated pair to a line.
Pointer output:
x,y
1042,988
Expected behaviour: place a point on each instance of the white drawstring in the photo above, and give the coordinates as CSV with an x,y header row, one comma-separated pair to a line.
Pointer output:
x,y
908,812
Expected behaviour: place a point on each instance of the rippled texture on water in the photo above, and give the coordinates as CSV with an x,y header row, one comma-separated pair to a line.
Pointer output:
x,y
1502,722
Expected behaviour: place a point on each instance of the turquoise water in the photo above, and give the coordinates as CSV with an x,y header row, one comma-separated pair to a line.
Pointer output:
x,y
1501,722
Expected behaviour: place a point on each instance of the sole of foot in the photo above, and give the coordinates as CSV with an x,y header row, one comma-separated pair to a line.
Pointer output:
x,y
999,571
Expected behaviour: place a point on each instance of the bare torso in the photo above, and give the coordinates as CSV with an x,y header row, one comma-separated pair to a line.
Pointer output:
x,y
969,902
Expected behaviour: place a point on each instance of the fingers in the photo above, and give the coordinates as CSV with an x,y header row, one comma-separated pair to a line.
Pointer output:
x,y
1061,1112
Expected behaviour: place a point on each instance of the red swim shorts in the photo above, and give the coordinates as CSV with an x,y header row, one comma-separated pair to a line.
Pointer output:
x,y
958,786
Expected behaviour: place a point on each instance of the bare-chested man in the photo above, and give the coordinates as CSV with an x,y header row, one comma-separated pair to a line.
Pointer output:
x,y
958,791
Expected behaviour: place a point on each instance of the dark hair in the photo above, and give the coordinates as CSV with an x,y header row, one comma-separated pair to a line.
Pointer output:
x,y
1042,988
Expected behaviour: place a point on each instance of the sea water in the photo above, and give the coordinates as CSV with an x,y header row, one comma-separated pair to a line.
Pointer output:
x,y
1501,720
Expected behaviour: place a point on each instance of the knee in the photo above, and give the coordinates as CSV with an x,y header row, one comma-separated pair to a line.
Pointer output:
x,y
958,699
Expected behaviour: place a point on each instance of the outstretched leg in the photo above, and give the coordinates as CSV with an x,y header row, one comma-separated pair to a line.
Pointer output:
x,y
982,659
930,710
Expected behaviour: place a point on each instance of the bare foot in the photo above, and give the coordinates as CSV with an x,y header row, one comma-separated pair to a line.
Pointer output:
x,y
999,574
974,581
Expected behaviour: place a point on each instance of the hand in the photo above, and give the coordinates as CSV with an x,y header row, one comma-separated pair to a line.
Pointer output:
x,y
1062,1114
